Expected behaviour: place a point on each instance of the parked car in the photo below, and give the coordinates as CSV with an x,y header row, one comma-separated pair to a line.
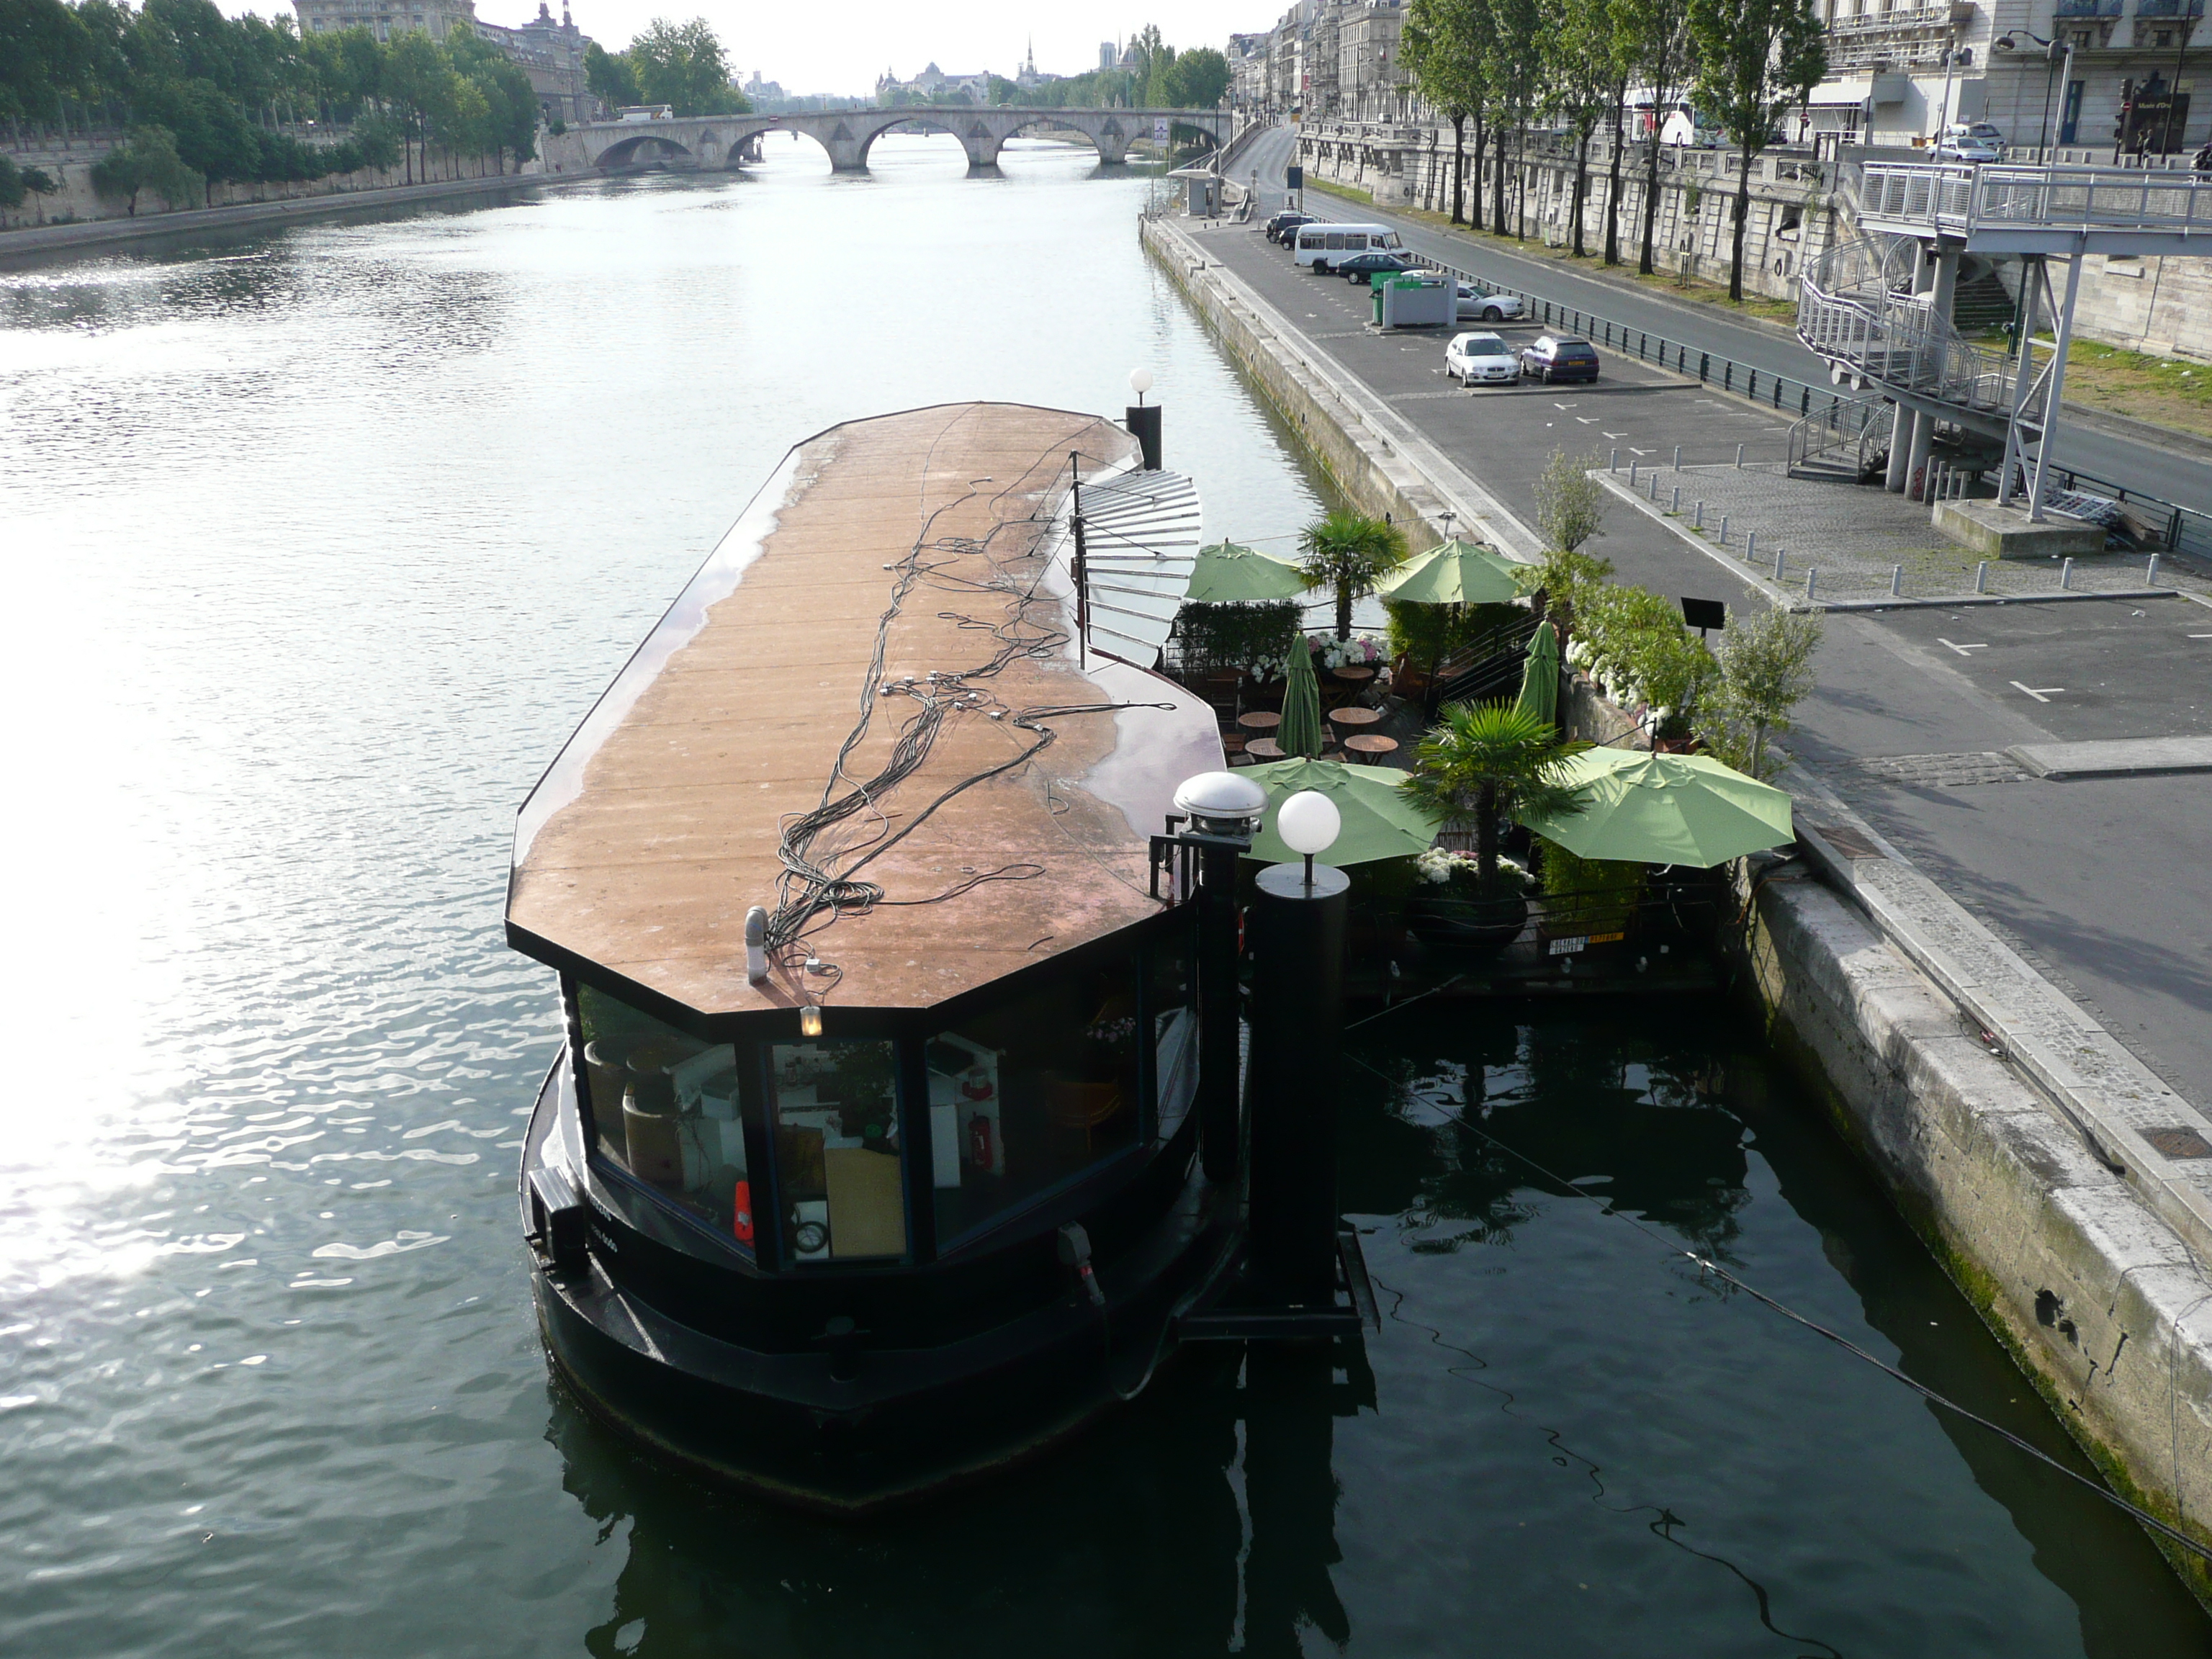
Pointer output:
x,y
1553,358
1983,129
1364,268
1283,223
1475,306
1969,150
1482,359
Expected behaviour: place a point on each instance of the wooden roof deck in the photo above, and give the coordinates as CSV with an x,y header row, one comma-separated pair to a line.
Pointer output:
x,y
659,827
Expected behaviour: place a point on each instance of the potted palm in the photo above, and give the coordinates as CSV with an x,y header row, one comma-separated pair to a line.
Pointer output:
x,y
1479,766
1349,552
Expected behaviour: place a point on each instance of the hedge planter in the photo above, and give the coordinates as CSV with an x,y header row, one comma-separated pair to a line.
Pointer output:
x,y
1469,925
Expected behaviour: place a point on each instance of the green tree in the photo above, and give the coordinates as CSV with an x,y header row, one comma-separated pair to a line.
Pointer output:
x,y
378,137
1515,50
611,78
1757,58
415,71
12,187
510,115
147,161
1201,78
45,54
1655,36
1349,553
1583,55
213,139
1765,671
1444,49
683,65
41,184
1490,762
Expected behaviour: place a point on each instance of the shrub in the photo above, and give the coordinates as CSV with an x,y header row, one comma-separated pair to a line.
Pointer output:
x,y
1766,669
1255,638
1633,643
1589,895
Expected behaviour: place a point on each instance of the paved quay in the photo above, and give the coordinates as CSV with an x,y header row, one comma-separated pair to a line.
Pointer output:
x,y
2102,884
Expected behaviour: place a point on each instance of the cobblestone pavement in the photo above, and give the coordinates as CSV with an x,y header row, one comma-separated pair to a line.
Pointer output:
x,y
1848,540
1949,771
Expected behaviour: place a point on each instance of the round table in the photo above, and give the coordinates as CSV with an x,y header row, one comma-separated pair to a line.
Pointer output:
x,y
1259,721
1351,716
1370,746
1353,674
1265,748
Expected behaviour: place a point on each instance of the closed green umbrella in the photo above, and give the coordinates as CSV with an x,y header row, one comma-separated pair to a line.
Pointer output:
x,y
1665,809
1381,820
1225,574
1539,680
1453,573
1300,732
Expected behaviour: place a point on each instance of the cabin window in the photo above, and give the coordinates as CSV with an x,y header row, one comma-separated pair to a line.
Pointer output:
x,y
664,1109
1031,1094
834,1108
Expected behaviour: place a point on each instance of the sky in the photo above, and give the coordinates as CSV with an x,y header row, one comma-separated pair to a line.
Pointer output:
x,y
845,46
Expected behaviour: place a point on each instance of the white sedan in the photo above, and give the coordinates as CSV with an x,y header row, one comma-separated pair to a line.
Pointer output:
x,y
1476,307
1482,359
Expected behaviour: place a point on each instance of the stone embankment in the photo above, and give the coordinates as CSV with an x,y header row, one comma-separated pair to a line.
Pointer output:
x,y
2066,1189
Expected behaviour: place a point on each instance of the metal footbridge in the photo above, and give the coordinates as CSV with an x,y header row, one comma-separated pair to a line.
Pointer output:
x,y
1878,310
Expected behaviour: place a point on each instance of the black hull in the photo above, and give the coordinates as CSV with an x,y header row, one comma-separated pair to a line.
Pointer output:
x,y
875,1427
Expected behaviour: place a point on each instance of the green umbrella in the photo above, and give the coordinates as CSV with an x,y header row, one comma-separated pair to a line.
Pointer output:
x,y
1665,809
1225,574
1539,680
1300,732
1453,573
1381,820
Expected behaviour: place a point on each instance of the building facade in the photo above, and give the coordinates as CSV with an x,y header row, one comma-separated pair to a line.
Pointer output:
x,y
551,54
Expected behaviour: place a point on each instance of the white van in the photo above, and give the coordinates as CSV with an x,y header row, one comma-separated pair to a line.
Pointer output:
x,y
1321,247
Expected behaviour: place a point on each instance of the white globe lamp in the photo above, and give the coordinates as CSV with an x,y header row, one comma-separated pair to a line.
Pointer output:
x,y
1140,382
1309,823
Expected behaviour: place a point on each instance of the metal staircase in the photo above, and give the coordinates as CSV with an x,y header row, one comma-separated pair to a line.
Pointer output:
x,y
1880,311
1850,439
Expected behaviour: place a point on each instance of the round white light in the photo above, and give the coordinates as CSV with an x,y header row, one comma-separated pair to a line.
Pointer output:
x,y
1309,823
1140,380
1221,804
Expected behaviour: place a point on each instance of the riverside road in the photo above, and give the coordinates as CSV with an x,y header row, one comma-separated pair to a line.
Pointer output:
x,y
2102,883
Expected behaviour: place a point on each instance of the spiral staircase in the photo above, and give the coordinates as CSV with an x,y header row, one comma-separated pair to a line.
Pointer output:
x,y
1880,310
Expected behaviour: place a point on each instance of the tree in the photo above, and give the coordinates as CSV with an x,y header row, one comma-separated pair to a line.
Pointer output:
x,y
1516,52
1443,49
414,73
1765,671
1490,762
1350,553
1201,78
12,187
213,139
147,161
611,78
1571,505
40,183
1583,56
1757,58
683,65
1655,36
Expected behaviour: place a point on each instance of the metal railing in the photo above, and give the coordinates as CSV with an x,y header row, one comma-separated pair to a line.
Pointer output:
x,y
1859,427
1962,200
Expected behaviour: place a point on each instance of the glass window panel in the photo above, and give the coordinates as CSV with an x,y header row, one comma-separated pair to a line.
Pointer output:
x,y
664,1107
1033,1092
1173,1000
834,1109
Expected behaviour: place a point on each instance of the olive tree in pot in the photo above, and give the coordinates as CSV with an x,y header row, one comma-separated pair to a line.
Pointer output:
x,y
1479,766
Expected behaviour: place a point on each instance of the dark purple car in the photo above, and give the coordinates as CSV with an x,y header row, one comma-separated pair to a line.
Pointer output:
x,y
1550,358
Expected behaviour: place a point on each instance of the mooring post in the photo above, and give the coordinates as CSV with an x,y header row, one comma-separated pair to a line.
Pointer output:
x,y
1296,929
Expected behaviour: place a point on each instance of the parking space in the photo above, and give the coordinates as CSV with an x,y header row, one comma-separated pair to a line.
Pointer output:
x,y
2117,668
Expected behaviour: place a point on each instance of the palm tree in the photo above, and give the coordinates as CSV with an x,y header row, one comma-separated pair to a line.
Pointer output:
x,y
1491,762
1350,553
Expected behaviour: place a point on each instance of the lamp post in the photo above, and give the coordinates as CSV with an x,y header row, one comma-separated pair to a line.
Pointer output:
x,y
1223,810
1297,930
2055,54
1144,419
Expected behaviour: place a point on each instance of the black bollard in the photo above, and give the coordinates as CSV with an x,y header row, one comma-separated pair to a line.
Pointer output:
x,y
1295,931
1144,424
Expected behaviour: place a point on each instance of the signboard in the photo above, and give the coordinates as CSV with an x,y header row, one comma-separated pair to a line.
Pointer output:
x,y
1581,942
1294,178
1159,129
1702,614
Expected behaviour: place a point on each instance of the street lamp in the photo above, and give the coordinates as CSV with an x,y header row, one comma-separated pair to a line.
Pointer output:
x,y
2055,54
1309,823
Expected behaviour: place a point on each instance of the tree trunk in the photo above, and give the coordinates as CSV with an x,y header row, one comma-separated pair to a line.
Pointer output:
x,y
1582,180
1486,838
1742,224
1343,610
1459,170
1613,186
1650,204
1498,188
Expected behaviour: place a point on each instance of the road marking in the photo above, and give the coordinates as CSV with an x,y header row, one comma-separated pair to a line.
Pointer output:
x,y
2201,636
2034,692
1616,436
1591,420
1558,405
1632,449
1963,649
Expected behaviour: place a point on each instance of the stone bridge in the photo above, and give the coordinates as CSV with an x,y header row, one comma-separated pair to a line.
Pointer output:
x,y
714,142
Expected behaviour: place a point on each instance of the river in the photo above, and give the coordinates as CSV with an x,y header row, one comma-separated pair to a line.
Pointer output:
x,y
319,541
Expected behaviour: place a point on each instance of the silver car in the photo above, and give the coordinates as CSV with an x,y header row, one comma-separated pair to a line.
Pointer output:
x,y
1477,307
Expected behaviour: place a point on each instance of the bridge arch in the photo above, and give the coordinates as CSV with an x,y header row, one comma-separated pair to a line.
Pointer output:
x,y
644,150
965,126
798,126
1107,136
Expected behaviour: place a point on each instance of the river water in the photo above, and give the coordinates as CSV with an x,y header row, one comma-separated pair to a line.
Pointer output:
x,y
319,542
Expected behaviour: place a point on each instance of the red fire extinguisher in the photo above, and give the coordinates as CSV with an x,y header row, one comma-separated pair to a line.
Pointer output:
x,y
742,1223
979,1142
